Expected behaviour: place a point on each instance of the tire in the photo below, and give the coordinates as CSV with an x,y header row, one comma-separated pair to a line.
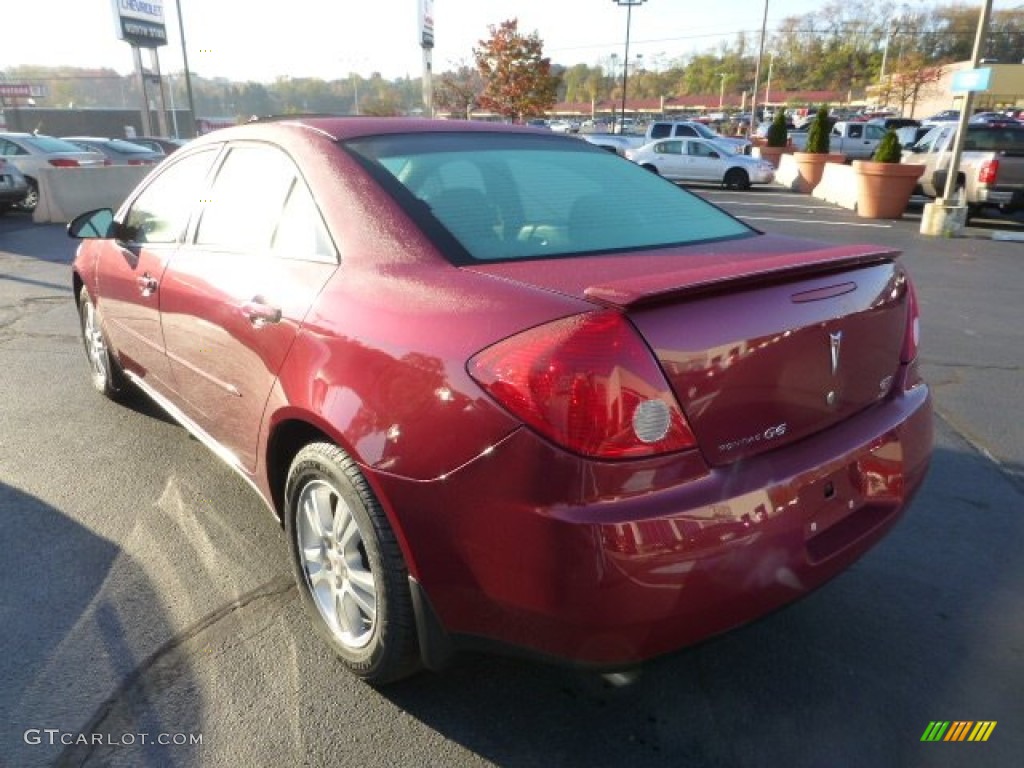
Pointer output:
x,y
651,168
31,199
736,178
351,574
107,377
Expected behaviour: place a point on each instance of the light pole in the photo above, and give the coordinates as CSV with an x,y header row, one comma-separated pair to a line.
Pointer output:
x,y
721,91
768,83
613,66
625,60
188,78
757,73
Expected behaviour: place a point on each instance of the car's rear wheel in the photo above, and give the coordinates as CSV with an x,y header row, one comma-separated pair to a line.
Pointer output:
x,y
31,198
352,577
736,178
106,376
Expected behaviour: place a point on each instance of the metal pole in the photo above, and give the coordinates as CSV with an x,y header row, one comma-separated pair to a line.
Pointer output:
x,y
965,112
625,66
147,129
625,63
188,78
757,74
161,115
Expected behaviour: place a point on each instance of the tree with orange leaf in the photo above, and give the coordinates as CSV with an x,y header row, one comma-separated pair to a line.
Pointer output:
x,y
517,77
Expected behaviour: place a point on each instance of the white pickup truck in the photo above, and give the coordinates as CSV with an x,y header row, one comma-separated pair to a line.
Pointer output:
x,y
857,141
991,166
664,129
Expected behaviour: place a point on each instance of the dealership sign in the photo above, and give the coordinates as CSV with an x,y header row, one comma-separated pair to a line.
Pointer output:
x,y
140,22
16,90
972,80
426,23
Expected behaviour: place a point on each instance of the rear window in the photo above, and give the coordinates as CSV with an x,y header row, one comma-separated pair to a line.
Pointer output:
x,y
49,144
513,196
128,148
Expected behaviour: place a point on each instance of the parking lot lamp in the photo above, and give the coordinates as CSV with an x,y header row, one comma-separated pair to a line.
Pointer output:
x,y
625,60
188,78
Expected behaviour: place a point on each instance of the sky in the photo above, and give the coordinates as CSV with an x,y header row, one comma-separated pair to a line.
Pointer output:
x,y
262,40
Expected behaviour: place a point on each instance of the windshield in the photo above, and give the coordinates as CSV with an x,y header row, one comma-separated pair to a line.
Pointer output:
x,y
515,196
705,132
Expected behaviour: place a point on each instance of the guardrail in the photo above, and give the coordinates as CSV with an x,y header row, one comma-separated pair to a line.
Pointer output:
x,y
66,192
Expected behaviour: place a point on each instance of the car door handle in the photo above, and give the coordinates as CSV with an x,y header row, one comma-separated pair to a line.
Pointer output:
x,y
147,284
260,313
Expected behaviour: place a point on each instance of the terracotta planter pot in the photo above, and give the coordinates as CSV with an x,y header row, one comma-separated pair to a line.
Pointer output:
x,y
810,166
884,189
772,154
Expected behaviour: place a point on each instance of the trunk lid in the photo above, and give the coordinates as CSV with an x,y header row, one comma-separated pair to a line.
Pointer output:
x,y
761,347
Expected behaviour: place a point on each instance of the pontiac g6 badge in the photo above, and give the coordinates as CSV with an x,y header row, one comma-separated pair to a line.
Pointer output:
x,y
835,341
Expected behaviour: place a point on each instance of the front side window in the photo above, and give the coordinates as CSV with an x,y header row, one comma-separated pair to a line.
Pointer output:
x,y
540,197
161,211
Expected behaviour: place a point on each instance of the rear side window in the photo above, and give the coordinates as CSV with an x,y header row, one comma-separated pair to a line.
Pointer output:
x,y
535,197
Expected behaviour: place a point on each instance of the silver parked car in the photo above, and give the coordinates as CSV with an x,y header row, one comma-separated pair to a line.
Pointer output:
x,y
31,152
118,151
13,186
702,160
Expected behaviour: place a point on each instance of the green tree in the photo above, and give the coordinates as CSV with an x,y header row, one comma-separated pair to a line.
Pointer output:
x,y
817,134
517,77
459,90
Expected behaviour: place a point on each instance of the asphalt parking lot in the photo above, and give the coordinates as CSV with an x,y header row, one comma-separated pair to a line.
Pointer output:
x,y
147,591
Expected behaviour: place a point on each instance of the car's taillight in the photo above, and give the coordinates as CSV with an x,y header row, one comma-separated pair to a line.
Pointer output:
x,y
912,334
988,171
63,162
590,384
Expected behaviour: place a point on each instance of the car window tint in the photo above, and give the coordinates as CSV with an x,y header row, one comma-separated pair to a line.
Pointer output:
x,y
300,232
161,211
669,148
49,144
661,130
542,197
246,199
10,149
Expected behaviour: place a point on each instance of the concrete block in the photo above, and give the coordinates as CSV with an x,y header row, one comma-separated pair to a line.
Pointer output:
x,y
838,186
66,192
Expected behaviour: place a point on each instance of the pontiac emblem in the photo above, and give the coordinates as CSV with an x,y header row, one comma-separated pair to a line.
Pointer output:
x,y
835,340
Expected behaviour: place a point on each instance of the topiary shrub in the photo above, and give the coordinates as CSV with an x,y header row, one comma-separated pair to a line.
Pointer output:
x,y
817,135
888,149
778,134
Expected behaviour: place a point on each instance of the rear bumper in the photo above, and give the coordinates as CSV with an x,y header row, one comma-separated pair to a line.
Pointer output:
x,y
647,557
1008,199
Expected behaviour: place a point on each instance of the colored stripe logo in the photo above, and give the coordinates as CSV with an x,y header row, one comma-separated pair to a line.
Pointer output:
x,y
958,730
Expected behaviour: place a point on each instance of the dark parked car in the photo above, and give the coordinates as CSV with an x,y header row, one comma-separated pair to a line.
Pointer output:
x,y
118,151
161,144
13,185
505,389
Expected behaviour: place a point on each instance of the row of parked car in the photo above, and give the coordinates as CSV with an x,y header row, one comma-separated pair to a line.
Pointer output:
x,y
24,155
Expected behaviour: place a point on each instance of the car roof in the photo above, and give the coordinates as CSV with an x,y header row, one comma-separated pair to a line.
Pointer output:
x,y
350,127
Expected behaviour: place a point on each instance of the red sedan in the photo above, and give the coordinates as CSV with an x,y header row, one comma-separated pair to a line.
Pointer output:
x,y
506,389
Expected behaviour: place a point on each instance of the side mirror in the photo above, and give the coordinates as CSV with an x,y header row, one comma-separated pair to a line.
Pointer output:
x,y
715,155
97,225
92,225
